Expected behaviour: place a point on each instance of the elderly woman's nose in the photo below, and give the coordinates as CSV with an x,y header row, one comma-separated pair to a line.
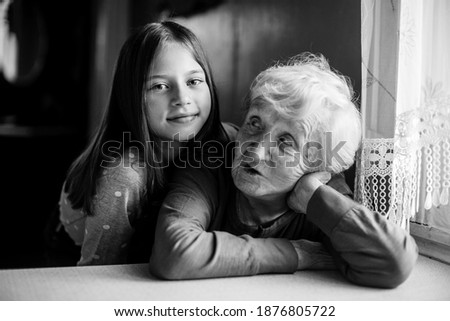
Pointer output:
x,y
258,151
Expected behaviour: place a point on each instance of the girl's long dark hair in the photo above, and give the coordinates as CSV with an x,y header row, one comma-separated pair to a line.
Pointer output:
x,y
127,113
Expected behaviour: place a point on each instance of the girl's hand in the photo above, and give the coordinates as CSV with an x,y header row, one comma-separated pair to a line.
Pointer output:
x,y
312,256
304,189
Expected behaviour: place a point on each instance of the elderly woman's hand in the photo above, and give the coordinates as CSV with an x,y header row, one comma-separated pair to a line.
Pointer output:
x,y
304,190
312,256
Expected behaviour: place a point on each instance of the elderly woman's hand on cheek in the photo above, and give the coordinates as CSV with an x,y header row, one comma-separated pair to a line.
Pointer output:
x,y
304,189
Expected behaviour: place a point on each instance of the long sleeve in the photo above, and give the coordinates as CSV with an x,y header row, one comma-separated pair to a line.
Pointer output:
x,y
188,242
369,249
105,236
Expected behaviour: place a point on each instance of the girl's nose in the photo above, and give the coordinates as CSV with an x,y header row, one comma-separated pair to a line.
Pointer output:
x,y
181,96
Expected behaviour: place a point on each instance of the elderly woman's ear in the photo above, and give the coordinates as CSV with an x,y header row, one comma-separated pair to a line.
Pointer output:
x,y
299,198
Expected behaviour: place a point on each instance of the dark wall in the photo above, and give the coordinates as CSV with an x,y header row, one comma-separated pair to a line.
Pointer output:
x,y
42,130
58,94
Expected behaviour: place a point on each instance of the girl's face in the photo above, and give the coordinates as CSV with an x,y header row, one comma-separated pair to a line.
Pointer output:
x,y
177,95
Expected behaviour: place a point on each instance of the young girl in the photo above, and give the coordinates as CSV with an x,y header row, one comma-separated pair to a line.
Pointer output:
x,y
162,98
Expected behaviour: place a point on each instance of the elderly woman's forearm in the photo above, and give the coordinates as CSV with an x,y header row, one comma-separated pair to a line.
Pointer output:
x,y
369,249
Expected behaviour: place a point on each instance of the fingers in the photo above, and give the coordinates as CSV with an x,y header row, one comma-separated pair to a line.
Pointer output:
x,y
312,255
323,177
304,189
323,261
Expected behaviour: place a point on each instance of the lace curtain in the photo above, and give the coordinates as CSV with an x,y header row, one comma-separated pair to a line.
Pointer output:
x,y
403,169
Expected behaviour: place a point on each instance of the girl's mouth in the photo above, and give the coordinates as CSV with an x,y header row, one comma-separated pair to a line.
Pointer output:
x,y
182,119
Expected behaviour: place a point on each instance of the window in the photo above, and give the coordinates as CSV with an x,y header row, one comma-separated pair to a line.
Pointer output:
x,y
404,167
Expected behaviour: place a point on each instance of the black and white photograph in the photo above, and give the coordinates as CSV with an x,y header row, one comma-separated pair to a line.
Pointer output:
x,y
241,159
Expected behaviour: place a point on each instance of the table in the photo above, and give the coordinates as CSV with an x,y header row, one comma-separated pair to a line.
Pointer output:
x,y
430,280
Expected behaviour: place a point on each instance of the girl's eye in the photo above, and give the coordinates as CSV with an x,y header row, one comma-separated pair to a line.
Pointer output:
x,y
195,82
159,87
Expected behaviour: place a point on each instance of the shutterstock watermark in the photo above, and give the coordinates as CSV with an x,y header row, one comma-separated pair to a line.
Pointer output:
x,y
313,155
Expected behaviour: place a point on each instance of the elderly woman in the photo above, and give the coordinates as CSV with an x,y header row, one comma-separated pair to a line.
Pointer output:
x,y
273,212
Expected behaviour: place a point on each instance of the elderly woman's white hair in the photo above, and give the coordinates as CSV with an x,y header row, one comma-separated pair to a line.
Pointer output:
x,y
321,99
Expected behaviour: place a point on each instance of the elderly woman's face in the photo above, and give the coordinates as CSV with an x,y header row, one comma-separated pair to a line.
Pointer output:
x,y
268,160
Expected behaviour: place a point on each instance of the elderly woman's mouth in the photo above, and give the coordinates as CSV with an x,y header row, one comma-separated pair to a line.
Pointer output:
x,y
250,170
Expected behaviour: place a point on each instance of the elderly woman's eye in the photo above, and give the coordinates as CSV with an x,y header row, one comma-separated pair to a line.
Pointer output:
x,y
286,142
254,123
